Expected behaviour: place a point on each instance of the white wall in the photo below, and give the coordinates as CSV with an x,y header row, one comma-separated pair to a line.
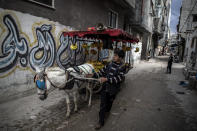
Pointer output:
x,y
26,42
136,56
147,18
187,29
190,49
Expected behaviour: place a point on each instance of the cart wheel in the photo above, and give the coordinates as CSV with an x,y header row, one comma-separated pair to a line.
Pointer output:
x,y
97,88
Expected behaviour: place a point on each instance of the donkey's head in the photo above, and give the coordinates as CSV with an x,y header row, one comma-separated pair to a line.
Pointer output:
x,y
54,76
40,82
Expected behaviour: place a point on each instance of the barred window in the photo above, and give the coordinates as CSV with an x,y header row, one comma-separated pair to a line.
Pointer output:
x,y
113,19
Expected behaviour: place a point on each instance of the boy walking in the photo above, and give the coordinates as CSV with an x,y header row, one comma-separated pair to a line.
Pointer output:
x,y
170,60
111,76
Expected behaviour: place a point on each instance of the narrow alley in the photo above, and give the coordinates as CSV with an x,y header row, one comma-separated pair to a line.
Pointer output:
x,y
148,101
62,63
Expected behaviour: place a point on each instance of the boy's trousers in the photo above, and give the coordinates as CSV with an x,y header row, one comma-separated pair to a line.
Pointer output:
x,y
105,105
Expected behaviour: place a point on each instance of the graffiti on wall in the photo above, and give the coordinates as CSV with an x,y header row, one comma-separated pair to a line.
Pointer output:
x,y
66,56
17,50
43,54
14,48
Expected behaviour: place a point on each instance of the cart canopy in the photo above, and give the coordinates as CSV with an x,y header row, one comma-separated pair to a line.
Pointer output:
x,y
113,34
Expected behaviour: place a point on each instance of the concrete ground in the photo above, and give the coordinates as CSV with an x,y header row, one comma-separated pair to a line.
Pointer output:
x,y
149,100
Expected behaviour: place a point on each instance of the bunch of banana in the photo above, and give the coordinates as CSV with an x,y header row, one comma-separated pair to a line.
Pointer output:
x,y
92,51
85,46
86,52
124,47
127,64
93,45
99,46
97,65
137,49
128,48
73,46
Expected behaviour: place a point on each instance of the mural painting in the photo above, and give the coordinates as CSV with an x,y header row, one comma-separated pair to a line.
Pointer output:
x,y
66,56
45,47
14,48
43,52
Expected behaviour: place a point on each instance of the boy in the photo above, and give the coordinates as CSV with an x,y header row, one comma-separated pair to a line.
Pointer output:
x,y
170,60
111,76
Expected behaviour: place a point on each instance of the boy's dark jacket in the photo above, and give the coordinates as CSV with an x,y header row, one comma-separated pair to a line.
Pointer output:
x,y
170,60
114,72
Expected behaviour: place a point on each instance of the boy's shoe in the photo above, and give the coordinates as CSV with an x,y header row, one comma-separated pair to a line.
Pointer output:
x,y
98,126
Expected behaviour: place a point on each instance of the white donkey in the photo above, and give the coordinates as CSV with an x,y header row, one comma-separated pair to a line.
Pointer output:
x,y
65,80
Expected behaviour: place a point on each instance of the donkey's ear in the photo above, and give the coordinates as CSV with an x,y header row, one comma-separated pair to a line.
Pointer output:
x,y
35,78
67,74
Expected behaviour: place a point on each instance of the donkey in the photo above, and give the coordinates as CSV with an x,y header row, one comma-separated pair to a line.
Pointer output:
x,y
65,80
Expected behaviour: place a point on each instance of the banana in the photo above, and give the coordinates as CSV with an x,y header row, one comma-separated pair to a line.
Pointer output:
x,y
73,46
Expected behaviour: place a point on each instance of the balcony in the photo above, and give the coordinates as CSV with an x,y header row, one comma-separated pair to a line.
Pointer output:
x,y
194,25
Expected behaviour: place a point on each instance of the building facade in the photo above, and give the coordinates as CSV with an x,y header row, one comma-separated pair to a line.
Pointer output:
x,y
187,32
79,14
142,25
30,27
161,31
173,45
31,34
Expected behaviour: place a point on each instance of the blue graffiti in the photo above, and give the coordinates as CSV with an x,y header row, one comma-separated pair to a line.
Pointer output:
x,y
63,63
14,47
46,45
79,54
65,43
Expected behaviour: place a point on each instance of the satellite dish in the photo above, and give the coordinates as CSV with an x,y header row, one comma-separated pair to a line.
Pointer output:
x,y
100,26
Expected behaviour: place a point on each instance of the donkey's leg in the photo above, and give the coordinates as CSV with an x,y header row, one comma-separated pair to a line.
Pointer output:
x,y
75,100
68,105
87,91
90,91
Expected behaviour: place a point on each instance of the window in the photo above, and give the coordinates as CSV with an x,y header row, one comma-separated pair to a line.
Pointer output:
x,y
130,29
195,18
46,3
192,44
196,45
113,18
158,2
